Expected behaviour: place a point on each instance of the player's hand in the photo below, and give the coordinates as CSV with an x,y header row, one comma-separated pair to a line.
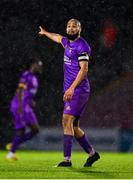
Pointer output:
x,y
41,31
68,94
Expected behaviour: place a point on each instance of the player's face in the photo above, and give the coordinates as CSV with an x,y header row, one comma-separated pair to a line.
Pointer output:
x,y
73,27
37,68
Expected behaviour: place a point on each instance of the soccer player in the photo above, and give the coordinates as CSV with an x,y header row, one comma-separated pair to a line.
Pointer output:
x,y
76,89
22,107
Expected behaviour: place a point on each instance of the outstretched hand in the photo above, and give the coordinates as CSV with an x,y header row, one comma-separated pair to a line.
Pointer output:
x,y
41,31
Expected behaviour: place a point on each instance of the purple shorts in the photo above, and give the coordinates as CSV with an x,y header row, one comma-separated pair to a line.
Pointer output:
x,y
24,119
77,105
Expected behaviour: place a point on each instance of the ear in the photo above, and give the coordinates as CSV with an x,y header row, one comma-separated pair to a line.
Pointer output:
x,y
80,29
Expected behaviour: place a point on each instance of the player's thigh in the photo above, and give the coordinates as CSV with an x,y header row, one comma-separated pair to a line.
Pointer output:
x,y
34,128
77,105
30,116
20,131
18,119
67,120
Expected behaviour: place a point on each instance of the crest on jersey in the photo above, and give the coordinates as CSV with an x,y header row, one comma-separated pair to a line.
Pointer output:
x,y
68,108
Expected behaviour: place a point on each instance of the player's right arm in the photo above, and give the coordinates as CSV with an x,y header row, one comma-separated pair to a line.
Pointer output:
x,y
53,36
20,96
20,90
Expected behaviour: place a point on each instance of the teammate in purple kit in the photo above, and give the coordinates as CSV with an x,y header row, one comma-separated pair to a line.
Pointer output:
x,y
22,107
76,89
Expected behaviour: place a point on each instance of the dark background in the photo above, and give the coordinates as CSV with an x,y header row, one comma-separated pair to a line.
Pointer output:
x,y
110,69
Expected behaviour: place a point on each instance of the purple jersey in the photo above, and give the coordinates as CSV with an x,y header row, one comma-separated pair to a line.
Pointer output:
x,y
29,82
31,85
75,51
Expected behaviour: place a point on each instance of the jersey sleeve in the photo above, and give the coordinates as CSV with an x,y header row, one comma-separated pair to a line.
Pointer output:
x,y
64,41
34,81
84,52
22,81
33,84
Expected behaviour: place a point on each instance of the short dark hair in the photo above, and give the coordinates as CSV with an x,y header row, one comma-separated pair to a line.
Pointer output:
x,y
35,60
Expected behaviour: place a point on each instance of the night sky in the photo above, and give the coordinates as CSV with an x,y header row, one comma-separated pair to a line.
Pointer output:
x,y
19,41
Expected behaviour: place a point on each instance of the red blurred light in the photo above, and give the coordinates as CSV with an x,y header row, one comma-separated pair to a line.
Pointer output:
x,y
109,34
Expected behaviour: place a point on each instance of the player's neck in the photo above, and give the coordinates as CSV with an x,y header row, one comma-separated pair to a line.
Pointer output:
x,y
75,39
32,71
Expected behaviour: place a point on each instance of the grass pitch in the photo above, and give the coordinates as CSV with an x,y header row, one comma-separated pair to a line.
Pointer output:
x,y
40,165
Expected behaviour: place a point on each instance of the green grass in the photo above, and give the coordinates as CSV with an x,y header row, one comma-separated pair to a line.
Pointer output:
x,y
37,165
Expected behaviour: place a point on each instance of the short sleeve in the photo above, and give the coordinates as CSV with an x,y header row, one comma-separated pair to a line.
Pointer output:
x,y
34,81
64,41
22,81
83,57
85,52
23,77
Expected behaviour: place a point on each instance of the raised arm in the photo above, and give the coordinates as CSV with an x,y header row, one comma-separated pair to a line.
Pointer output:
x,y
53,36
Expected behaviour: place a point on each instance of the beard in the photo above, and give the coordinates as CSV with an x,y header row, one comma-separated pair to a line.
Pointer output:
x,y
72,36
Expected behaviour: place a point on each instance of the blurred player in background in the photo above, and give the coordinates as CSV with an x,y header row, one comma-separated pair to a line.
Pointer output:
x,y
76,89
22,107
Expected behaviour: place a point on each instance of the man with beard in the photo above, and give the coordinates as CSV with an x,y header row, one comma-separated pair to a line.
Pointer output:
x,y
76,89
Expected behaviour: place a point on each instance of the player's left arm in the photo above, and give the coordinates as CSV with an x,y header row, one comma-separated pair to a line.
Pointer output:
x,y
80,76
